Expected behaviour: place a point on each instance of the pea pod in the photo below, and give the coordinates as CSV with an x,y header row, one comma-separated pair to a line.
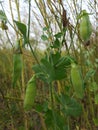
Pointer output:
x,y
30,94
85,27
77,81
17,67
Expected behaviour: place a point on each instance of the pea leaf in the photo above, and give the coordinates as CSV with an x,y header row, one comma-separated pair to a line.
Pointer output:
x,y
3,15
54,119
44,71
58,35
22,28
45,28
96,99
56,44
44,37
70,107
52,68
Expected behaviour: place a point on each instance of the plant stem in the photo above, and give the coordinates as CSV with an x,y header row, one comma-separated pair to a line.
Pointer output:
x,y
18,11
42,121
33,53
13,98
10,5
8,38
86,118
28,36
52,104
29,19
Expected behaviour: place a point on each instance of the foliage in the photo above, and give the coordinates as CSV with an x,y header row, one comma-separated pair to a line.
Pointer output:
x,y
55,89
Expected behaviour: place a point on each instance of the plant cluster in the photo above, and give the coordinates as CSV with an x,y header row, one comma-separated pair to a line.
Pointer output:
x,y
62,92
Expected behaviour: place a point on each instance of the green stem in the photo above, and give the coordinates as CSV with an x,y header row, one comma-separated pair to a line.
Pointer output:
x,y
12,15
13,98
91,105
33,53
51,95
52,104
85,116
29,18
42,119
8,38
28,36
68,123
18,11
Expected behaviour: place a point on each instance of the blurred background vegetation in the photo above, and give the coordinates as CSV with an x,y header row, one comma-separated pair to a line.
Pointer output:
x,y
46,20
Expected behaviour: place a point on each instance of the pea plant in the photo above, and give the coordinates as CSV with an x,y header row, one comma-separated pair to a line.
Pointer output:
x,y
68,89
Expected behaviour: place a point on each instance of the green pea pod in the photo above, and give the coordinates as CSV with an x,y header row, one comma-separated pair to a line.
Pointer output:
x,y
77,81
85,27
17,67
30,94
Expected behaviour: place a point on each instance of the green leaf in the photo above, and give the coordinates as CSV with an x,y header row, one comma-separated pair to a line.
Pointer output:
x,y
3,15
45,28
37,68
22,28
53,72
89,74
56,44
60,121
70,106
49,70
43,107
39,72
58,35
44,37
21,128
61,61
61,67
96,121
39,108
93,87
49,119
60,73
54,57
54,119
96,99
64,61
53,68
44,71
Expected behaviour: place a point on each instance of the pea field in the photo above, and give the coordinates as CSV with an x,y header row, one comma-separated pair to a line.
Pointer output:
x,y
49,65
